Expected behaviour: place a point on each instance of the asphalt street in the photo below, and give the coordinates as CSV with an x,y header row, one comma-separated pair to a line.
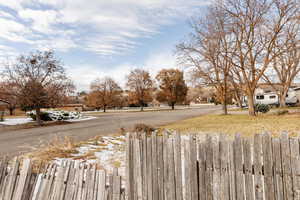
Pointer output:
x,y
24,140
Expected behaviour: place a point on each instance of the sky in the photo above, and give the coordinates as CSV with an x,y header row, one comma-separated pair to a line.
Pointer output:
x,y
98,38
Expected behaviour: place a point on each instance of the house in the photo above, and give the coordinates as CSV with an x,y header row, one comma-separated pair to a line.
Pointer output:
x,y
201,94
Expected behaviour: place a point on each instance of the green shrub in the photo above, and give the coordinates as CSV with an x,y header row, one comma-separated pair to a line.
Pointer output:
x,y
262,108
44,116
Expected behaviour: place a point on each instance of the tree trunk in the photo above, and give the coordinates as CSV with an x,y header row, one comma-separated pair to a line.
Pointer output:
x,y
240,103
11,111
282,99
238,99
237,96
142,107
250,99
225,110
38,116
1,115
104,108
173,105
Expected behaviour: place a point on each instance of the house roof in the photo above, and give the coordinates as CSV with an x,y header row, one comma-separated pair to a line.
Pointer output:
x,y
267,88
3,102
297,88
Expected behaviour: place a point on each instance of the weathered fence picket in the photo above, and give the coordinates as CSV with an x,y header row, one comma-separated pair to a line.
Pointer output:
x,y
258,165
278,184
65,182
286,167
249,185
171,166
201,171
217,167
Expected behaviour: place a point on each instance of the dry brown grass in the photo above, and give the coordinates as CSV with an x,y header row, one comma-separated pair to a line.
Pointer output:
x,y
14,116
17,113
57,148
239,123
138,129
65,148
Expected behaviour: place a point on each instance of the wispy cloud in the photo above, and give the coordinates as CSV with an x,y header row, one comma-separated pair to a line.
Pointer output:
x,y
13,31
40,20
102,27
108,28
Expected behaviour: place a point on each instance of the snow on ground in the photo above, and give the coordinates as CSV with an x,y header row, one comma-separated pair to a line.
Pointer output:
x,y
107,151
81,119
16,121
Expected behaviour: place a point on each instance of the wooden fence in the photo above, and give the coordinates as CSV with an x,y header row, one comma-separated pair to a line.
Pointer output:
x,y
170,167
66,182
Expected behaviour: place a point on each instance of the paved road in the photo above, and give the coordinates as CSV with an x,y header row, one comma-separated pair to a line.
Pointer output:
x,y
20,141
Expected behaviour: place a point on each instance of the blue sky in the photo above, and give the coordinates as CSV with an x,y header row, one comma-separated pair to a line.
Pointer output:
x,y
97,38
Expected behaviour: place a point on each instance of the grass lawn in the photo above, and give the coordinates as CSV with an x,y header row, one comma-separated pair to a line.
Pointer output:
x,y
296,108
14,116
240,123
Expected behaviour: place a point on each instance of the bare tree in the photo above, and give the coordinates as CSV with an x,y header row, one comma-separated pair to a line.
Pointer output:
x,y
104,92
140,85
40,81
173,88
5,94
208,52
238,40
287,65
257,25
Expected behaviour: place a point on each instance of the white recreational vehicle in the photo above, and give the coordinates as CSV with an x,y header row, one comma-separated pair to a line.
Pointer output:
x,y
269,97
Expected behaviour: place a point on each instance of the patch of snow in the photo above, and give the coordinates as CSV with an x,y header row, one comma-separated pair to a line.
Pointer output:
x,y
16,121
109,152
81,119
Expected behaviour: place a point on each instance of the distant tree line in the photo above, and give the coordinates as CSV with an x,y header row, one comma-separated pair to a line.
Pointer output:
x,y
140,90
38,80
